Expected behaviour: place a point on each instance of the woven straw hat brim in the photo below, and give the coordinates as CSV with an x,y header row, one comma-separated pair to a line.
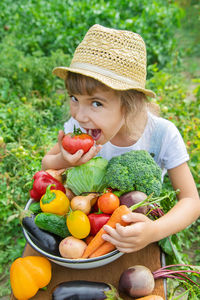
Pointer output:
x,y
107,80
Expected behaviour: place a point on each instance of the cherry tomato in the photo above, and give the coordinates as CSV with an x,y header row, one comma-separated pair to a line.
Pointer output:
x,y
72,142
78,224
108,202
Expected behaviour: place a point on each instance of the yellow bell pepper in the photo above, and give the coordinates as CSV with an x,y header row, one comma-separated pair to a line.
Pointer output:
x,y
54,201
29,274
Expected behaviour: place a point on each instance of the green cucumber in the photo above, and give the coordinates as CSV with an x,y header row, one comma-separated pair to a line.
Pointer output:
x,y
35,207
53,223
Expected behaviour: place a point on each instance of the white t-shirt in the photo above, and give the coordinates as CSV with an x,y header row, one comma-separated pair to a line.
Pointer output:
x,y
160,137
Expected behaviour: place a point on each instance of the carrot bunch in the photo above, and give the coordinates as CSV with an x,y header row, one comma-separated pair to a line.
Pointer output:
x,y
97,246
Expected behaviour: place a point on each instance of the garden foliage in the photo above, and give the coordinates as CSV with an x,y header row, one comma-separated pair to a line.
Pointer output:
x,y
36,36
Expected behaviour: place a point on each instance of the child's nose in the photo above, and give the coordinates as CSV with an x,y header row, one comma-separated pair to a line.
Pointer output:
x,y
81,115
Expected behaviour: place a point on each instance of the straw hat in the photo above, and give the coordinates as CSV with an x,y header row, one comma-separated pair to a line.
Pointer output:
x,y
116,58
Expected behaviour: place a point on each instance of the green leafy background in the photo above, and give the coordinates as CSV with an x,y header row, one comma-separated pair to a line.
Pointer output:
x,y
36,36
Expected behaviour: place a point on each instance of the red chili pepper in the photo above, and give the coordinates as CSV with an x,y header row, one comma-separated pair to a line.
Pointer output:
x,y
41,181
97,221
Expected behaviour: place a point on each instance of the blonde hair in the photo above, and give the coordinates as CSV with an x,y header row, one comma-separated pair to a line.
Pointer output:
x,y
132,101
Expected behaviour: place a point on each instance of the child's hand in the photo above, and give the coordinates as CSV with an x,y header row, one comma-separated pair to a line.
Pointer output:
x,y
133,237
77,158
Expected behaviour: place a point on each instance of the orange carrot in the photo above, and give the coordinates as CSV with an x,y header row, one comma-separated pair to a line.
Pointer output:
x,y
115,218
88,239
105,248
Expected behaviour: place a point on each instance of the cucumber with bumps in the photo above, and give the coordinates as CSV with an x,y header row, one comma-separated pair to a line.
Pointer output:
x,y
53,223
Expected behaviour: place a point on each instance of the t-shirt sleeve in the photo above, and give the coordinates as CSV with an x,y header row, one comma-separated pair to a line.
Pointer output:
x,y
69,125
173,151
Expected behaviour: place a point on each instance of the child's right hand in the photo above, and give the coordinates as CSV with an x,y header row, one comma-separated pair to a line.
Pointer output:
x,y
79,157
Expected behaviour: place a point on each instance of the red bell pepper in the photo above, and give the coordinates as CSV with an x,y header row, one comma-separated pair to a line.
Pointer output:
x,y
41,181
97,221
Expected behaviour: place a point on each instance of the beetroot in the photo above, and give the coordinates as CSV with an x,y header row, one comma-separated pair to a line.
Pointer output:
x,y
139,281
132,198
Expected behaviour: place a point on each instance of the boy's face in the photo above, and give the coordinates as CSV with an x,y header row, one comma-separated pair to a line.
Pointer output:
x,y
100,114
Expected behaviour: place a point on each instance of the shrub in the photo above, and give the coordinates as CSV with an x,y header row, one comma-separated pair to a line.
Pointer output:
x,y
46,27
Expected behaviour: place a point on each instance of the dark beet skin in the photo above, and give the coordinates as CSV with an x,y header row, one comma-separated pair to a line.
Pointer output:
x,y
125,284
132,198
137,281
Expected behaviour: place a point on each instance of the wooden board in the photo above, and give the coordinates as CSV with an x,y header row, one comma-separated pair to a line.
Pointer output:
x,y
149,257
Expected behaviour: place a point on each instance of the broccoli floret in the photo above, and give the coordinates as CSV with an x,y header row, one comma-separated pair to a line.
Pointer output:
x,y
134,170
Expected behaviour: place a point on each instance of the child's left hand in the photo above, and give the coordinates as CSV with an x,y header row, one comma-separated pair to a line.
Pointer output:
x,y
133,237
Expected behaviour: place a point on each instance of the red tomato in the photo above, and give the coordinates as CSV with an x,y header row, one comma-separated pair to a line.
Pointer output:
x,y
72,142
108,202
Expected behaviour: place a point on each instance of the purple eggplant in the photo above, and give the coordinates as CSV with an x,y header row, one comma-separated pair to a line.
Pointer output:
x,y
84,290
46,241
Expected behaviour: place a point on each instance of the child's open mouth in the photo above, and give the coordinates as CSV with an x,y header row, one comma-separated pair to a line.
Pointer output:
x,y
95,133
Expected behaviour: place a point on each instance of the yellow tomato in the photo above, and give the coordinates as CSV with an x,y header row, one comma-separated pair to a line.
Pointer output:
x,y
78,224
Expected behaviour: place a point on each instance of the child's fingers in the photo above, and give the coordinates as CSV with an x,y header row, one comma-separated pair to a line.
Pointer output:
x,y
126,250
127,231
134,217
112,233
116,242
60,137
91,153
73,159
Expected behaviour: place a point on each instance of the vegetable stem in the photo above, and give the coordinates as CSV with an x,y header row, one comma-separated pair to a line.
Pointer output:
x,y
150,200
22,213
180,296
165,272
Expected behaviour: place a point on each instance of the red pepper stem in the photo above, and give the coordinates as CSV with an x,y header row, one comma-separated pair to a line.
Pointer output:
x,y
99,212
48,196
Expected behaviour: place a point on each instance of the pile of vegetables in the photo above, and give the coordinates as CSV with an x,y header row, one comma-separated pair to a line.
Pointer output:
x,y
70,215
66,218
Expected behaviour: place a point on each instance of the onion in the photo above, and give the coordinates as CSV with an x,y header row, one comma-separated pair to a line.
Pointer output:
x,y
83,203
132,198
70,195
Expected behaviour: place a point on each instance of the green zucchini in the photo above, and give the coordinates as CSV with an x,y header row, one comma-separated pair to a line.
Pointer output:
x,y
53,223
35,207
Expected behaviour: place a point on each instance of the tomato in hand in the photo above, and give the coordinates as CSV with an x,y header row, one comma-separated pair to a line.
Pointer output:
x,y
72,142
108,202
78,224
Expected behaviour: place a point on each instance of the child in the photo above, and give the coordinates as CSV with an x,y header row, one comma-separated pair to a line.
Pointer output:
x,y
106,85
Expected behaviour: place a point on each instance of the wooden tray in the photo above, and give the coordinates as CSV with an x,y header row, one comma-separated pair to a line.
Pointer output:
x,y
150,257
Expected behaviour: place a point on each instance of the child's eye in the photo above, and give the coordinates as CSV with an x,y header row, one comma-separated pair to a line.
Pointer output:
x,y
96,103
74,99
